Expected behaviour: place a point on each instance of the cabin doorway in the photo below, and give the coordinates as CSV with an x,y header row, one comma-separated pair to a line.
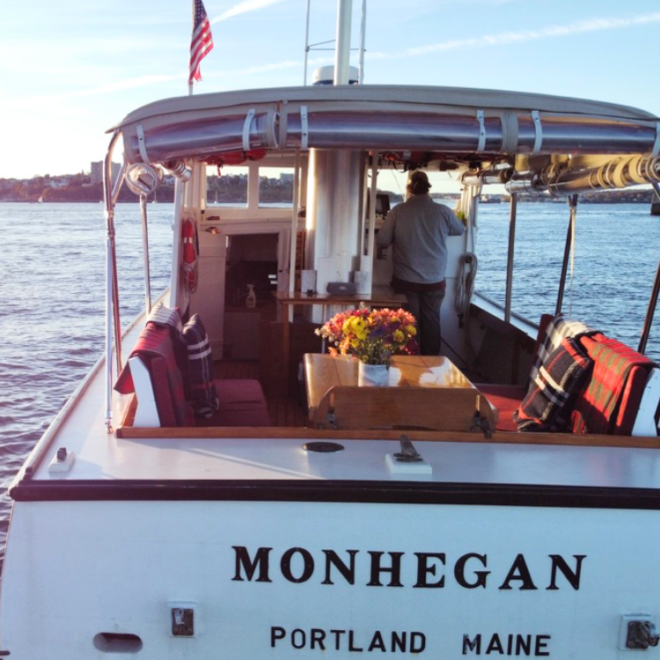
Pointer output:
x,y
250,282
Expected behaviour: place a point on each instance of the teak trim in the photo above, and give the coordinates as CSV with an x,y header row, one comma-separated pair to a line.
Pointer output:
x,y
501,437
432,408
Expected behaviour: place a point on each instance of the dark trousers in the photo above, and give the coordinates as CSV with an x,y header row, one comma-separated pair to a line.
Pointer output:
x,y
425,307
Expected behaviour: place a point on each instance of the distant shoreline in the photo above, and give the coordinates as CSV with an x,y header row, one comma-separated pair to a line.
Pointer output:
x,y
77,189
522,199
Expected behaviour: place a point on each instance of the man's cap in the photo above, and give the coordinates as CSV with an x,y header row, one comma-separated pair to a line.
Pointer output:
x,y
419,177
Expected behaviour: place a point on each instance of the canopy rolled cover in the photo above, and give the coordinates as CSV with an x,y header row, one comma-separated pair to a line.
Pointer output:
x,y
387,118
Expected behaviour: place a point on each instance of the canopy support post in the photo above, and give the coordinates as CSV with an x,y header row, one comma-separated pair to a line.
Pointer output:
x,y
363,33
294,231
653,301
309,3
509,260
568,249
373,190
343,52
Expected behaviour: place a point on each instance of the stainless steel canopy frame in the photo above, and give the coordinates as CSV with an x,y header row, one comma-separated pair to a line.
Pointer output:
x,y
448,121
112,318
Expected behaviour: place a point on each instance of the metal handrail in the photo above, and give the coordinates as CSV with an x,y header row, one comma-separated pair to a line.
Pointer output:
x,y
112,288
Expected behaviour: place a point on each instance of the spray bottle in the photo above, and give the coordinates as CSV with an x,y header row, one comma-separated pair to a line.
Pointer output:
x,y
251,300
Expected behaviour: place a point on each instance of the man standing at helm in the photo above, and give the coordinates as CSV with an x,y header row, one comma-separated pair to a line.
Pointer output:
x,y
418,229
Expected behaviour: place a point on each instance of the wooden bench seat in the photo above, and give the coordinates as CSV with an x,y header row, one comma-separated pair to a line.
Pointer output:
x,y
507,398
152,373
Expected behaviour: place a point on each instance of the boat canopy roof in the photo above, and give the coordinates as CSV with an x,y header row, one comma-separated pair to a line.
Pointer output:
x,y
439,120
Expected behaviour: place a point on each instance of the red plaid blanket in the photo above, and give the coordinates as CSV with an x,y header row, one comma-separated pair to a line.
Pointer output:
x,y
155,342
613,362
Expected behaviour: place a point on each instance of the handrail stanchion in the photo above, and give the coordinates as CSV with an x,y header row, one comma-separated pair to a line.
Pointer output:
x,y
112,292
653,301
145,254
509,260
568,247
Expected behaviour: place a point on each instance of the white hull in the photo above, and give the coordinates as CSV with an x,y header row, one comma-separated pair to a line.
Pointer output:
x,y
142,557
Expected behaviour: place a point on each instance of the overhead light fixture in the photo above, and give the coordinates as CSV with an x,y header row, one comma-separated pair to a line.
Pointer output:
x,y
143,179
179,169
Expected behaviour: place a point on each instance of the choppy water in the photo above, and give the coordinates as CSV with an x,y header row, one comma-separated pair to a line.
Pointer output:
x,y
52,291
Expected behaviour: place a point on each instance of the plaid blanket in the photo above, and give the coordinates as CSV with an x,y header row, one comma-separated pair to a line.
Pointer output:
x,y
156,342
547,405
557,330
203,395
605,396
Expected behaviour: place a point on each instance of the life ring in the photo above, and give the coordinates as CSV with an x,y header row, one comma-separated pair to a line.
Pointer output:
x,y
190,255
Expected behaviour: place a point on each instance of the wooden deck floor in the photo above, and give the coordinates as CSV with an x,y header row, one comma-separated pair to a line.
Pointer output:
x,y
283,411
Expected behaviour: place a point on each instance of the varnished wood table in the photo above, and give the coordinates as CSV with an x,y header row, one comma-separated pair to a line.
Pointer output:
x,y
379,297
323,372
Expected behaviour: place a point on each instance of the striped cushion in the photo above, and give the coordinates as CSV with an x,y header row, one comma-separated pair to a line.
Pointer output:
x,y
204,398
547,405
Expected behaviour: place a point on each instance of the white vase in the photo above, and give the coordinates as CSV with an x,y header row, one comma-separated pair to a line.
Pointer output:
x,y
373,375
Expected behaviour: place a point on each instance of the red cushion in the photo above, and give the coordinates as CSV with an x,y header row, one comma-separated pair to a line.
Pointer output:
x,y
242,403
506,399
239,391
158,373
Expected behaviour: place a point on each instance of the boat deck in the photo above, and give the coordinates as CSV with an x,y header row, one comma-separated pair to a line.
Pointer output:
x,y
276,455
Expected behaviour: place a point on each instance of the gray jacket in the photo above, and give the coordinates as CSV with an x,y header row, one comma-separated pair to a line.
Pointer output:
x,y
418,228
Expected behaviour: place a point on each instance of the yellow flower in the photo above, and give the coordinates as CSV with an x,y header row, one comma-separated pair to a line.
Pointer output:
x,y
355,326
411,330
398,336
360,329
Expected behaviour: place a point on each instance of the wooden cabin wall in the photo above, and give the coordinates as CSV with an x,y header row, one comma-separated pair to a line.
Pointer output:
x,y
502,352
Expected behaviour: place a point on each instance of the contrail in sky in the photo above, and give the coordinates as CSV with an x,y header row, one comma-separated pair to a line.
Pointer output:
x,y
243,8
484,41
506,38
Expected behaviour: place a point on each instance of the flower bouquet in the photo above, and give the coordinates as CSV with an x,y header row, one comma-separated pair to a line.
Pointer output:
x,y
371,336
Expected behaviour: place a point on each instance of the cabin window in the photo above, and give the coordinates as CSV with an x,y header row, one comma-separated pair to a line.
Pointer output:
x,y
228,189
276,187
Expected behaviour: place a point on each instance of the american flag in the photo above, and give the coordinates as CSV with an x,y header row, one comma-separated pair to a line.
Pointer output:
x,y
202,40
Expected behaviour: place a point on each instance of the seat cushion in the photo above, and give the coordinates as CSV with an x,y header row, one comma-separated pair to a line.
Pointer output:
x,y
242,403
506,400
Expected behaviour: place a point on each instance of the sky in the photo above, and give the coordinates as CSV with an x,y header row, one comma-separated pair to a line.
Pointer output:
x,y
70,70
